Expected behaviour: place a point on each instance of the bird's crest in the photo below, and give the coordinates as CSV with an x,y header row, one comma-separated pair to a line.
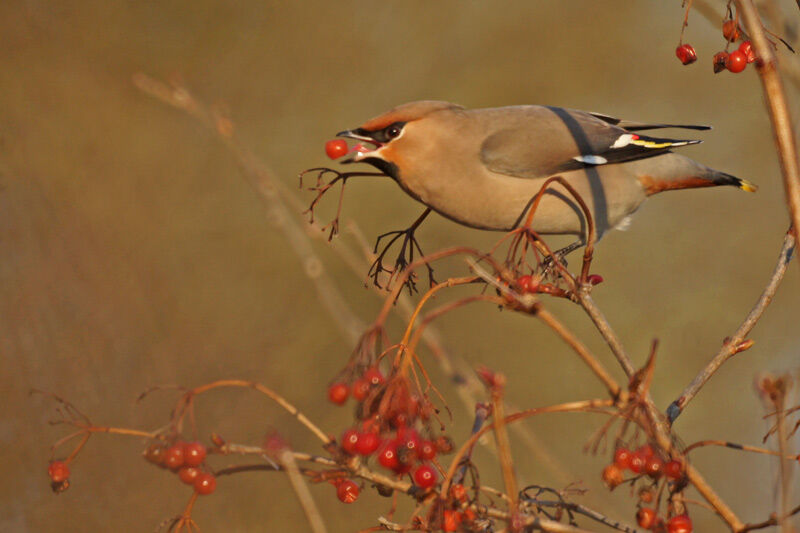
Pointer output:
x,y
407,113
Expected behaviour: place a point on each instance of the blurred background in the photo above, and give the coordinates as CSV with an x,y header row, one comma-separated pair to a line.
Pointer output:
x,y
133,252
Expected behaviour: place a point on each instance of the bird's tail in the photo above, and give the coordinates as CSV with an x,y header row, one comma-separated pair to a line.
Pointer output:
x,y
721,178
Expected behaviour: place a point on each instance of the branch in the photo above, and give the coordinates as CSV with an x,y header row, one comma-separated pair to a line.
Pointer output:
x,y
782,127
730,348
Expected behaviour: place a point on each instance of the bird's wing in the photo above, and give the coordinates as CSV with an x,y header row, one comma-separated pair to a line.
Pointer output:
x,y
631,125
542,141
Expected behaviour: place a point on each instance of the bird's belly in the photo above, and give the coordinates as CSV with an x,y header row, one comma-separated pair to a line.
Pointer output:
x,y
502,203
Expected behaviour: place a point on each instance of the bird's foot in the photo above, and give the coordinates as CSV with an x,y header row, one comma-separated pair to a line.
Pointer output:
x,y
409,246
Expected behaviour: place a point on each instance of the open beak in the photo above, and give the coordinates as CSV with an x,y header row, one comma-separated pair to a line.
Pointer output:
x,y
359,151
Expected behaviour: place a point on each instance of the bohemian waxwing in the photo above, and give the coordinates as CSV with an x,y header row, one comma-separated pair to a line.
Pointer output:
x,y
482,167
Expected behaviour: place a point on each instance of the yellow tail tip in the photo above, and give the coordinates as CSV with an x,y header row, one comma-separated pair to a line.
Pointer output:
x,y
747,186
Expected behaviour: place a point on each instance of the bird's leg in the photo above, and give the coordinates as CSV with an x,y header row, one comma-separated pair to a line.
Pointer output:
x,y
560,255
408,247
321,187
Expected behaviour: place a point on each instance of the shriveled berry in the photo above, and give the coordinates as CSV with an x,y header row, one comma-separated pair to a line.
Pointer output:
x,y
646,495
188,474
730,30
425,476
646,450
736,61
338,393
58,471
444,444
646,517
154,453
347,491
686,54
427,450
622,457
350,441
673,470
458,492
361,389
194,453
612,476
679,524
367,443
336,148
747,49
205,483
720,61
174,457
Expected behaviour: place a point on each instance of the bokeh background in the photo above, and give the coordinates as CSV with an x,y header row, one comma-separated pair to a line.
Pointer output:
x,y
133,252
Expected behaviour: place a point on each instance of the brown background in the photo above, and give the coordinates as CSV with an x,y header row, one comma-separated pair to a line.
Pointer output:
x,y
133,253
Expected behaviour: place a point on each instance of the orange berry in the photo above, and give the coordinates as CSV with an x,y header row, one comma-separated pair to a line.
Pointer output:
x,y
58,471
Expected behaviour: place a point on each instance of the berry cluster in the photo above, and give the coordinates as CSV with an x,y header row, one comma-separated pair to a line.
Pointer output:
x,y
646,461
734,61
187,459
393,426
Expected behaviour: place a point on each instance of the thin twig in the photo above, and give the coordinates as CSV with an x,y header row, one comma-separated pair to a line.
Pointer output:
x,y
286,458
730,347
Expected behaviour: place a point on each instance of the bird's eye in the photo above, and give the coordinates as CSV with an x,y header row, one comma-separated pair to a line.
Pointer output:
x,y
393,131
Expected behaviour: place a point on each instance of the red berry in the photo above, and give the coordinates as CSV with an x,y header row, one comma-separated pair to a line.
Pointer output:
x,y
205,483
189,474
338,393
425,476
347,491
736,61
679,524
373,377
387,457
174,457
646,517
367,442
58,471
638,462
730,30
451,520
673,470
612,476
686,54
594,279
336,148
427,450
350,441
622,458
654,466
747,49
361,389
526,283
194,453
720,61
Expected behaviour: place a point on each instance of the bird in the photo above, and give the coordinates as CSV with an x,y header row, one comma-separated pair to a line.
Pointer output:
x,y
482,168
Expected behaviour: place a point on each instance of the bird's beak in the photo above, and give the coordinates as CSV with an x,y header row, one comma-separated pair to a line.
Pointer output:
x,y
359,151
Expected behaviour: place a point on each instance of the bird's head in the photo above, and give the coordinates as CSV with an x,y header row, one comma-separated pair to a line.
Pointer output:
x,y
386,133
